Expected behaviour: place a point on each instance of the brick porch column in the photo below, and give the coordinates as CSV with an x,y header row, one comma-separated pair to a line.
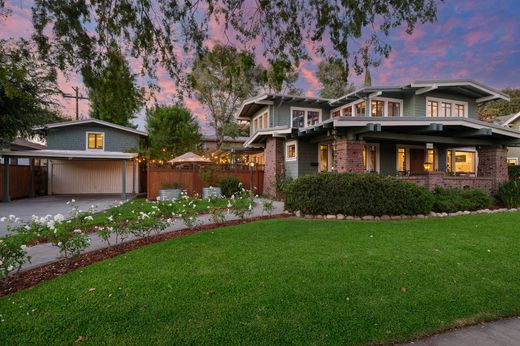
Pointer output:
x,y
274,164
492,163
348,156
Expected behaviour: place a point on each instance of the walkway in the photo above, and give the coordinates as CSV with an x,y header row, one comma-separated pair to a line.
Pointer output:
x,y
498,333
47,253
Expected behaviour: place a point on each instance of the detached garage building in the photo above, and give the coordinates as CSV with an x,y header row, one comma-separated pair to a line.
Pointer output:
x,y
87,157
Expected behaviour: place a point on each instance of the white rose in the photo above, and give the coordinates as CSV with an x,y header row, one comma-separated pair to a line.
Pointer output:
x,y
2,219
23,247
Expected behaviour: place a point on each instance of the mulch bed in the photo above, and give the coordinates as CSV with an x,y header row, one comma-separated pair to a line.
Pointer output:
x,y
29,278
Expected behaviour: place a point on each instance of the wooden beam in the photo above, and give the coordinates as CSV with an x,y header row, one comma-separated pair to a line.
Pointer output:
x,y
425,90
487,98
406,137
376,94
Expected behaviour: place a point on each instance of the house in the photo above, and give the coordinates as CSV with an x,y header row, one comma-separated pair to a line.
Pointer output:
x,y
21,144
88,156
232,150
511,121
426,132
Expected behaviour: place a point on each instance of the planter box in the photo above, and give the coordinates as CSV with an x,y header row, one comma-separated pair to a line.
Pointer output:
x,y
169,194
211,191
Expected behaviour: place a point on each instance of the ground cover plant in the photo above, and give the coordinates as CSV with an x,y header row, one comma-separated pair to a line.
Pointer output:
x,y
283,281
451,200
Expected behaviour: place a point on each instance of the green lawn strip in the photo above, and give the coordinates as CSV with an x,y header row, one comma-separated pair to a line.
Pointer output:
x,y
283,281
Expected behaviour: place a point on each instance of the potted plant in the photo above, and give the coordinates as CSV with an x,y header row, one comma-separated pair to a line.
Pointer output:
x,y
169,191
210,179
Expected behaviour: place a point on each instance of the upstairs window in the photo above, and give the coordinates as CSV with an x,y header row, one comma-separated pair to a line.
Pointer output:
x,y
377,108
260,122
313,117
459,110
95,141
305,117
446,109
298,117
347,111
336,113
436,107
432,109
290,151
394,109
360,109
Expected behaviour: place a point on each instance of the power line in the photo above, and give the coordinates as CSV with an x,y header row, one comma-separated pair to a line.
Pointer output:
x,y
78,97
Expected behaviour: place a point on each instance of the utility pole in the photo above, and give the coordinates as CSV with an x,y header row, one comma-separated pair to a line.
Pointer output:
x,y
78,97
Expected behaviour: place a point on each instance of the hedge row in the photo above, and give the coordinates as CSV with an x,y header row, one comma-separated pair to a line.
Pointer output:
x,y
372,194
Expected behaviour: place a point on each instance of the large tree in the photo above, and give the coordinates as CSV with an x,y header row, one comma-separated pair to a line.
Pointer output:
x,y
172,130
489,111
27,91
278,77
333,77
221,79
77,34
113,93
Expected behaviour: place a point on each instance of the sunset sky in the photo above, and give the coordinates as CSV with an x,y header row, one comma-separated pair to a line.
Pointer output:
x,y
476,39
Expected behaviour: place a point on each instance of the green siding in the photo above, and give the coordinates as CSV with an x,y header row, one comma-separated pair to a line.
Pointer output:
x,y
387,158
307,158
74,138
282,111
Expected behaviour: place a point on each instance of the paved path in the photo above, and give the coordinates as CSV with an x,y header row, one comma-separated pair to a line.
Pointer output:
x,y
498,333
47,253
45,205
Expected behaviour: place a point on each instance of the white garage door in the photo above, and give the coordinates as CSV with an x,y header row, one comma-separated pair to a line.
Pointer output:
x,y
83,177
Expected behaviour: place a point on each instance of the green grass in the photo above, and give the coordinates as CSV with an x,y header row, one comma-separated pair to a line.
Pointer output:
x,y
283,281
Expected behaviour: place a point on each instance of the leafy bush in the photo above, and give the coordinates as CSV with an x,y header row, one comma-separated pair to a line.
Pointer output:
x,y
209,175
514,172
230,185
13,255
356,194
452,200
509,194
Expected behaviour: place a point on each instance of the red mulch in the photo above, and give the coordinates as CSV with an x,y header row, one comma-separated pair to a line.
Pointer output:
x,y
31,277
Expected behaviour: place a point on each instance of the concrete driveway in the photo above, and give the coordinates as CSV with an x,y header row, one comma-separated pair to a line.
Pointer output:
x,y
41,206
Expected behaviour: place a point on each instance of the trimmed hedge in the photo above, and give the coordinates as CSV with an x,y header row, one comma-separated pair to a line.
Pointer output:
x,y
509,194
452,200
514,172
357,195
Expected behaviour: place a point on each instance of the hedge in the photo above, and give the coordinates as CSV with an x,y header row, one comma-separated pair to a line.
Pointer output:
x,y
509,194
514,172
357,195
452,200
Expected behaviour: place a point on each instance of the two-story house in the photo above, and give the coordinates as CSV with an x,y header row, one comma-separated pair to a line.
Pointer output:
x,y
513,152
427,132
88,156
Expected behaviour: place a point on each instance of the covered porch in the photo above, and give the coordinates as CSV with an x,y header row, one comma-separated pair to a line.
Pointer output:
x,y
78,172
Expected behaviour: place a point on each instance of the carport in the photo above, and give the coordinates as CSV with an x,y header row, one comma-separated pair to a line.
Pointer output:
x,y
100,159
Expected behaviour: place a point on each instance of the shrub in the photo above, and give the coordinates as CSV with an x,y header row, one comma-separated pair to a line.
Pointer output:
x,y
509,194
452,200
230,185
356,194
514,172
13,255
209,175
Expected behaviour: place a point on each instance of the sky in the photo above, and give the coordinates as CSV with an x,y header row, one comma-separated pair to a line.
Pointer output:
x,y
473,39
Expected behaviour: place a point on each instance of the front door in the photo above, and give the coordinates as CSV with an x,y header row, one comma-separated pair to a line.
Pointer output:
x,y
416,160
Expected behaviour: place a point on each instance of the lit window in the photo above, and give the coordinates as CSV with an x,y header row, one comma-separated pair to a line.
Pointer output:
x,y
370,158
512,161
432,109
430,160
446,109
401,159
461,162
336,114
94,140
394,109
290,151
313,117
298,117
377,108
459,110
347,111
360,109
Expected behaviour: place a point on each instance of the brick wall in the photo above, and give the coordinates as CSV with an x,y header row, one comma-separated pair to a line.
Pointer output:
x,y
348,156
492,163
432,180
274,163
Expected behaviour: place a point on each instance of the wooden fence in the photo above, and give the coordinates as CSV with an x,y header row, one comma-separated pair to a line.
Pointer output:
x,y
190,178
19,177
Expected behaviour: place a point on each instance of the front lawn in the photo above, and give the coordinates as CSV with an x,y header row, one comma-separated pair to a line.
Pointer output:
x,y
283,281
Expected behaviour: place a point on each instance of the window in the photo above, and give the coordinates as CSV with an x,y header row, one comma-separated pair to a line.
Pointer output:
x,y
298,117
370,158
401,160
360,109
446,109
95,140
347,111
461,162
512,161
394,109
459,110
325,158
336,113
377,108
313,117
290,151
261,122
429,164
432,109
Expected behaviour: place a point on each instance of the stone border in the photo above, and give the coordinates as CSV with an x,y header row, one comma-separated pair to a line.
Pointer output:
x,y
402,217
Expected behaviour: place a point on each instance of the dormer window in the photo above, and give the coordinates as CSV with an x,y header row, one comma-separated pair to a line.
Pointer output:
x,y
304,117
436,107
95,141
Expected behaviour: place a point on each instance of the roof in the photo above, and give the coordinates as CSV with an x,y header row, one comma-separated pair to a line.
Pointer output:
x,y
470,88
505,120
70,154
95,121
213,138
25,144
189,157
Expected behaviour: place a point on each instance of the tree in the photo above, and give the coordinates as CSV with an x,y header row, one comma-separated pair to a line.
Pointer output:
x,y
112,91
77,34
489,111
221,79
172,131
333,78
278,77
27,91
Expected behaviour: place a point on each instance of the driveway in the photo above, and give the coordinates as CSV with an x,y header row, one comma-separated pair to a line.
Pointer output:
x,y
41,206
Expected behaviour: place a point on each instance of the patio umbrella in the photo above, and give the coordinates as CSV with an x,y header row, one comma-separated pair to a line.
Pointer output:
x,y
189,157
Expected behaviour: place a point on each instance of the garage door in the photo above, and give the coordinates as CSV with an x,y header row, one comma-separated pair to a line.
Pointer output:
x,y
83,177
